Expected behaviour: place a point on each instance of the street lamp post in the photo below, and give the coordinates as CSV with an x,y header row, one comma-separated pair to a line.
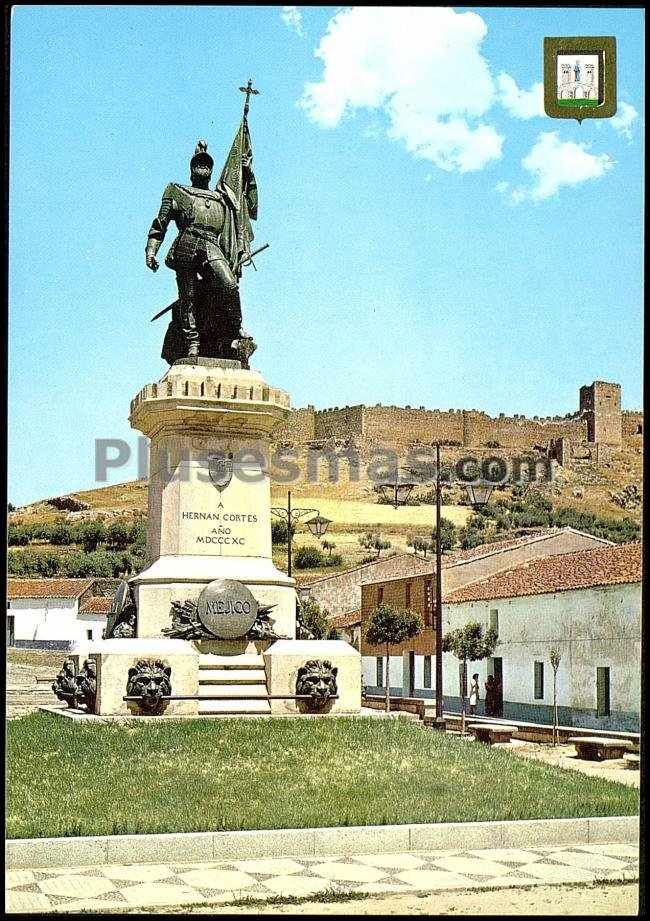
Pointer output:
x,y
317,525
478,494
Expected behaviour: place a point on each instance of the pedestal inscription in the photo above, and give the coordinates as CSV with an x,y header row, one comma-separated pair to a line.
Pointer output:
x,y
232,521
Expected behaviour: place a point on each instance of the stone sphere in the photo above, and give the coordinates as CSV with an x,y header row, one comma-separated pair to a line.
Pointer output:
x,y
227,609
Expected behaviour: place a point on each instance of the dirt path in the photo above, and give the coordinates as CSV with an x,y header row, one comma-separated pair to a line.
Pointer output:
x,y
565,756
619,899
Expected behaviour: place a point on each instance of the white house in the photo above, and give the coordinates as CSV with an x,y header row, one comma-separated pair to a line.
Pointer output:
x,y
412,668
587,605
54,613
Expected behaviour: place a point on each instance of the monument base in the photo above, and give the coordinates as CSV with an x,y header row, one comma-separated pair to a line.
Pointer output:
x,y
184,678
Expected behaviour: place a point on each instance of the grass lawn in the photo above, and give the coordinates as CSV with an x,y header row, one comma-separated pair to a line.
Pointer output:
x,y
67,778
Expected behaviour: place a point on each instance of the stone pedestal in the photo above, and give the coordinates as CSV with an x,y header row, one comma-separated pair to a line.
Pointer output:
x,y
206,523
114,658
284,658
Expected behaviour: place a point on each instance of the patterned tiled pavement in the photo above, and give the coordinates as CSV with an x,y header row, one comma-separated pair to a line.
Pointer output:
x,y
112,888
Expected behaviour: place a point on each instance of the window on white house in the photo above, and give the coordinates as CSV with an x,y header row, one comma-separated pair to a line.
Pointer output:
x,y
427,671
89,634
380,672
494,620
603,707
539,680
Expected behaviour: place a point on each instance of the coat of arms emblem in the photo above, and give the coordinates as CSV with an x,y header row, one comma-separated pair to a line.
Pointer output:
x,y
220,468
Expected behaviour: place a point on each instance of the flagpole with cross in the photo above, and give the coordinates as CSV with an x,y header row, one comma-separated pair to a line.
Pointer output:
x,y
250,91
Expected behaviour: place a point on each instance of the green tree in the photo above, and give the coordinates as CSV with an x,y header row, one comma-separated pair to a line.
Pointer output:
x,y
469,644
78,565
314,618
18,535
372,540
48,564
118,534
448,534
22,562
138,535
61,534
388,627
91,534
474,533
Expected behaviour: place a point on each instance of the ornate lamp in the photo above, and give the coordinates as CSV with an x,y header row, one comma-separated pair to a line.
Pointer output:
x,y
318,525
479,492
397,491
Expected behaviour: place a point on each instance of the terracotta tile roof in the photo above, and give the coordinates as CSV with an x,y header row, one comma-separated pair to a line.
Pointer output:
x,y
47,588
96,605
612,565
458,557
351,619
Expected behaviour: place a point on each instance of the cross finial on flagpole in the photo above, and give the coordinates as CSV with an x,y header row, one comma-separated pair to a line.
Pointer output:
x,y
248,89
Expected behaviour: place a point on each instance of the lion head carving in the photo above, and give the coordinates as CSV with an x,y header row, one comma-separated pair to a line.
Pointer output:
x,y
317,679
150,680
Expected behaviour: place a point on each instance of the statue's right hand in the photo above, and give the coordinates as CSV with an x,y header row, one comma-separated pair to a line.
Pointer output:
x,y
152,263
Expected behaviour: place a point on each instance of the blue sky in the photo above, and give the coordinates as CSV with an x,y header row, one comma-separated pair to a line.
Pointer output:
x,y
434,239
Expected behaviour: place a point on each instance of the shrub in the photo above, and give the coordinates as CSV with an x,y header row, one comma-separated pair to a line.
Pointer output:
x,y
118,534
62,534
309,558
21,562
335,559
280,531
18,535
314,618
48,564
91,534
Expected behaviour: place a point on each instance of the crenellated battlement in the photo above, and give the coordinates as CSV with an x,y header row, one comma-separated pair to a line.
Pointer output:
x,y
598,420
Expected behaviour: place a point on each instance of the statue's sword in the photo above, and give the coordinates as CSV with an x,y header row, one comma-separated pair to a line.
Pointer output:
x,y
247,260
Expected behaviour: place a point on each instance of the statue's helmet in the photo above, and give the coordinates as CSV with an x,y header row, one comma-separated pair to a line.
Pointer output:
x,y
201,159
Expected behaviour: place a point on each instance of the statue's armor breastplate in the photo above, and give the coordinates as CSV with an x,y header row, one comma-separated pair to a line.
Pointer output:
x,y
202,210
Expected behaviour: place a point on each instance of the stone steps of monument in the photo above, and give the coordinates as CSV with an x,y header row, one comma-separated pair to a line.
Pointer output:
x,y
233,691
243,661
232,675
234,706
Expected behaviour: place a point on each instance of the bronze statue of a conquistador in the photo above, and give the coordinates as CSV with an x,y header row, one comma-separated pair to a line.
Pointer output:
x,y
213,242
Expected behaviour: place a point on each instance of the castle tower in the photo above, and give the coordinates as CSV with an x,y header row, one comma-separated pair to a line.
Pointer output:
x,y
600,404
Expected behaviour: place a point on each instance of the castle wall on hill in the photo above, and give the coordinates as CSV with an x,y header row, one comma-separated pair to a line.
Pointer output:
x,y
632,423
339,423
592,433
298,428
405,425
519,431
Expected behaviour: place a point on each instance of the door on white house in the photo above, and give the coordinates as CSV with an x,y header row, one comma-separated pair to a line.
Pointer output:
x,y
11,630
495,668
603,703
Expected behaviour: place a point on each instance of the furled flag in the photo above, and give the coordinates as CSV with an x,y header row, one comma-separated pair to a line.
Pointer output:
x,y
237,184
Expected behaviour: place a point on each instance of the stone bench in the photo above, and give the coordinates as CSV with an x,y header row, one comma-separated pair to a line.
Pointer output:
x,y
594,748
491,732
632,761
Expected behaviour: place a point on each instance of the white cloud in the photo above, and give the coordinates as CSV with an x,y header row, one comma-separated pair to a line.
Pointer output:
x,y
423,68
554,163
292,18
623,119
520,103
